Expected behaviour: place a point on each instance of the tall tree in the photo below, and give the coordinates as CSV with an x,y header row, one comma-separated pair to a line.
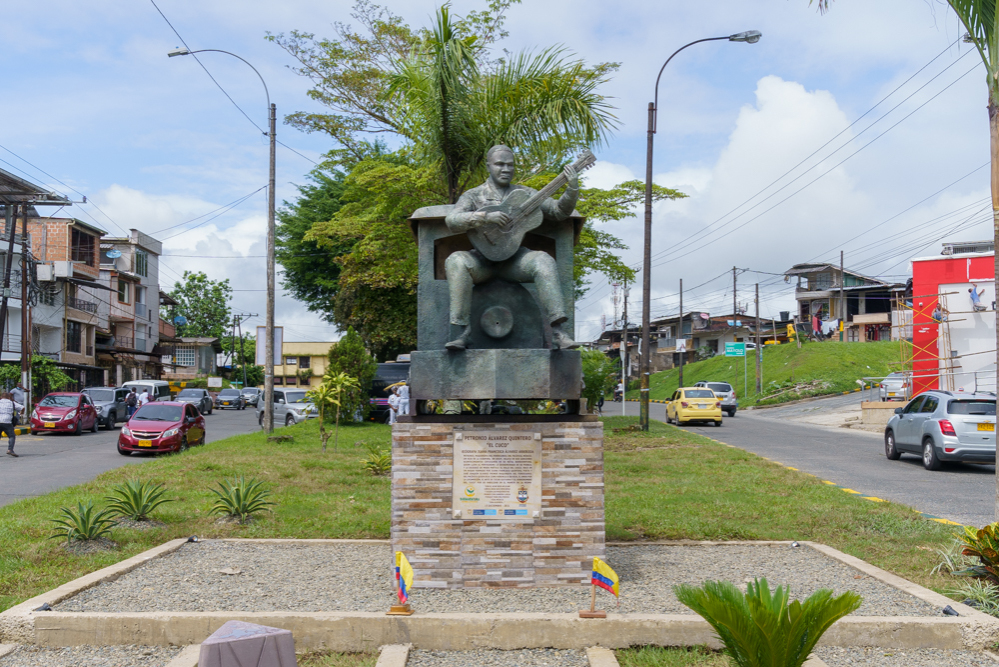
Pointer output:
x,y
204,303
348,358
981,20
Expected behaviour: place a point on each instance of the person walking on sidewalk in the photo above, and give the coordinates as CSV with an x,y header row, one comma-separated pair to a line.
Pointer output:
x,y
131,402
7,408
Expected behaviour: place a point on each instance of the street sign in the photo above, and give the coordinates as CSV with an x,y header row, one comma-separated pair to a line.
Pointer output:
x,y
735,349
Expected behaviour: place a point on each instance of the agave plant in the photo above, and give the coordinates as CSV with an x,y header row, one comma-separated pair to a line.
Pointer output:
x,y
984,545
83,523
240,498
136,499
760,628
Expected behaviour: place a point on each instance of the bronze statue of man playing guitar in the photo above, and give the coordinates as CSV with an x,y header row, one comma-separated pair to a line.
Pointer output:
x,y
496,215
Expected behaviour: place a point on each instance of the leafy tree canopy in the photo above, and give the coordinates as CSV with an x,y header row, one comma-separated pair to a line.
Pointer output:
x,y
204,303
348,357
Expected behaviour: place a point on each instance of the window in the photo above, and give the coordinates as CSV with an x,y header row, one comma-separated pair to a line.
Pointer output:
x,y
142,263
290,361
821,281
74,336
122,291
185,355
913,405
83,247
930,405
305,362
278,380
290,380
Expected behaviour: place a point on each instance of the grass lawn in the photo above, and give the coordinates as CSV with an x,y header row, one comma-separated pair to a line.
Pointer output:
x,y
665,484
333,659
839,365
655,656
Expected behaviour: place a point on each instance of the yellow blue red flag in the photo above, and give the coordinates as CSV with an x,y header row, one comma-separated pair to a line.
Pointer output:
x,y
404,576
605,577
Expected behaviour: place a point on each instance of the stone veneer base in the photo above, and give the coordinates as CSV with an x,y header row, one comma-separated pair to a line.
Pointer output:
x,y
555,549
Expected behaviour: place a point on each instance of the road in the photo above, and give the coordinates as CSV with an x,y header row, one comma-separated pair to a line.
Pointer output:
x,y
52,461
853,459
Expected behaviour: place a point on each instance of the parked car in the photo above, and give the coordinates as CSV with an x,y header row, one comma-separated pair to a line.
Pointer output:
x,y
200,398
694,404
159,390
167,426
895,387
724,391
941,426
231,398
64,412
109,403
251,395
290,407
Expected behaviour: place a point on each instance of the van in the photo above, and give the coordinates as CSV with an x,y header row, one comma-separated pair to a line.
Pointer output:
x,y
159,390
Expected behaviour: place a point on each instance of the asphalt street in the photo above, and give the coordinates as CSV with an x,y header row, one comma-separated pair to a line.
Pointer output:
x,y
853,459
52,461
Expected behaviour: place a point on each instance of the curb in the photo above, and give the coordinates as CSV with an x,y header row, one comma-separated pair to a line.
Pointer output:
x,y
188,657
393,655
598,656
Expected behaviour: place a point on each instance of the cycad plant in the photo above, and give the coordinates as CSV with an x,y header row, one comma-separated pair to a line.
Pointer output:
x,y
136,499
240,498
379,462
328,396
83,523
760,628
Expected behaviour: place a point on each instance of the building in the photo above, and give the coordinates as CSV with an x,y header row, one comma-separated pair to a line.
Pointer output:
x,y
190,358
868,306
304,364
129,268
954,348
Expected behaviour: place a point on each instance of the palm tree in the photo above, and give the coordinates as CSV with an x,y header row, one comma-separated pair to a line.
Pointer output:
x,y
543,105
982,23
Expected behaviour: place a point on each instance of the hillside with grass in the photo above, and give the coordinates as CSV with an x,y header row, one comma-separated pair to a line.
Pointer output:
x,y
789,373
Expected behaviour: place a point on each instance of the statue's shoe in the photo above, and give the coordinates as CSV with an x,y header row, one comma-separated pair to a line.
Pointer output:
x,y
458,344
561,341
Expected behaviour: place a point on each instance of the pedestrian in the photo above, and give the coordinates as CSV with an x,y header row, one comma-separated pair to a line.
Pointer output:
x,y
600,404
976,298
403,392
393,402
18,394
816,327
131,402
144,397
7,409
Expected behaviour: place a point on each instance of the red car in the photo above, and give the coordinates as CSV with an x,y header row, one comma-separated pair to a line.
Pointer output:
x,y
162,427
64,412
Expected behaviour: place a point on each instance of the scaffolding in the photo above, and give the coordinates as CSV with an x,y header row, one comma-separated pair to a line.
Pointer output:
x,y
939,348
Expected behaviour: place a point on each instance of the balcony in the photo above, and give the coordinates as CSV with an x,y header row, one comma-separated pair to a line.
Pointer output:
x,y
80,304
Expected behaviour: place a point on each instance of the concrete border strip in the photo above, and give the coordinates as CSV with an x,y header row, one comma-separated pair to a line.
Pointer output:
x,y
7,649
599,656
393,655
188,657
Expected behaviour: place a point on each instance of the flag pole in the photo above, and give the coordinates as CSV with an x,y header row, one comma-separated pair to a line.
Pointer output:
x,y
593,597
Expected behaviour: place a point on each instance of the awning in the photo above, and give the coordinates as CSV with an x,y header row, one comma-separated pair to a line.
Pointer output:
x,y
88,283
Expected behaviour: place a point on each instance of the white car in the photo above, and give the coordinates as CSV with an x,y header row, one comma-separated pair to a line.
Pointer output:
x,y
895,387
290,407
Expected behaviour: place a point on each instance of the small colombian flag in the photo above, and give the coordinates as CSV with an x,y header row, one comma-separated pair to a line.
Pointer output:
x,y
605,577
404,576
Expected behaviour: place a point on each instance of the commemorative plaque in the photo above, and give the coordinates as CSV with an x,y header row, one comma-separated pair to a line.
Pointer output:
x,y
497,475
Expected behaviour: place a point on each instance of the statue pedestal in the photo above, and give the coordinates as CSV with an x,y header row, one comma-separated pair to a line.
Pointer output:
x,y
517,501
496,374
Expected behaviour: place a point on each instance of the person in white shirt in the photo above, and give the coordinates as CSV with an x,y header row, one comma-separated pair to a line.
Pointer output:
x,y
403,392
393,401
7,409
143,397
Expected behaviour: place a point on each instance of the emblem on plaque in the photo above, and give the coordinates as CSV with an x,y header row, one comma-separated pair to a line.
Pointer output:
x,y
522,494
469,491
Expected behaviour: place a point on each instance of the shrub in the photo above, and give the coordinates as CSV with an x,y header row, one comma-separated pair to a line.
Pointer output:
x,y
349,356
760,628
83,523
984,545
240,498
136,499
979,594
379,462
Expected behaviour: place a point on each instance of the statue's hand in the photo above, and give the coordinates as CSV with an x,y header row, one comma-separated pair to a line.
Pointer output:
x,y
571,176
498,218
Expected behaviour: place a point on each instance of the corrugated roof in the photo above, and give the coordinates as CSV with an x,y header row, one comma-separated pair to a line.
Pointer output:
x,y
14,189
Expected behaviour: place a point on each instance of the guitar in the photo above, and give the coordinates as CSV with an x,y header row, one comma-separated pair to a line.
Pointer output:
x,y
497,241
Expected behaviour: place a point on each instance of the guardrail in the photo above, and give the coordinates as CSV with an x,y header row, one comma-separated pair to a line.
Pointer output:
x,y
80,304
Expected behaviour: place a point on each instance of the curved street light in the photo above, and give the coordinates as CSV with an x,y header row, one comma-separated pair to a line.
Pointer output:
x,y
750,37
272,135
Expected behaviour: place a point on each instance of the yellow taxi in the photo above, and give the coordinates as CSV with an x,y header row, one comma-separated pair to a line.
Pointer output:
x,y
694,404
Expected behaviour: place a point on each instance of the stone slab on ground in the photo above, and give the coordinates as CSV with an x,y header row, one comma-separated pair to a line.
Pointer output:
x,y
91,656
835,656
297,577
539,657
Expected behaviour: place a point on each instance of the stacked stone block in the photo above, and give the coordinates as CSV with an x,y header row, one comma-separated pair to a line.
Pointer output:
x,y
555,549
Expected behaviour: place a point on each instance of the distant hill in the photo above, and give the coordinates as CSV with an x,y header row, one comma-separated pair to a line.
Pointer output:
x,y
788,373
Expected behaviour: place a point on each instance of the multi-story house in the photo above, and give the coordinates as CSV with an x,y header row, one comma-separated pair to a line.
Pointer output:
x,y
304,364
129,268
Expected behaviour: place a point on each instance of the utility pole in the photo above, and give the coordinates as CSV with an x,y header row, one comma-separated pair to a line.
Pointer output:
x,y
735,303
242,358
842,301
269,347
759,349
25,326
11,220
680,335
624,350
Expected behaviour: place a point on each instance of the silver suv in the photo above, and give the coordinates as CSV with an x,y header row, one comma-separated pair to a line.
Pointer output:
x,y
724,391
944,426
290,407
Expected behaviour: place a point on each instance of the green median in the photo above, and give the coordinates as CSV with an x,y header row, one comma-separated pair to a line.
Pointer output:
x,y
665,484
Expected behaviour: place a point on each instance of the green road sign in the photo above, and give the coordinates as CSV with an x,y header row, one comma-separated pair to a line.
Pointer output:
x,y
735,349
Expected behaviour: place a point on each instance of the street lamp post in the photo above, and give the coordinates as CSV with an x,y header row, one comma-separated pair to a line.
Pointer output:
x,y
751,36
272,135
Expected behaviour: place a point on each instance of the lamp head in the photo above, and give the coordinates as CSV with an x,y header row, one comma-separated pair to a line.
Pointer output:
x,y
750,36
184,51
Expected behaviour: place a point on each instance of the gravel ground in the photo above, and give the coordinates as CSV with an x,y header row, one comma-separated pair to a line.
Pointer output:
x,y
917,657
91,656
537,657
312,578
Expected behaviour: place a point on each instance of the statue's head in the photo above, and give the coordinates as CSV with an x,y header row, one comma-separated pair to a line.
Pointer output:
x,y
501,164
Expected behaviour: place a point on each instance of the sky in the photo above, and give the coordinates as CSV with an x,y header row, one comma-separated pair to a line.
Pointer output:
x,y
863,130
